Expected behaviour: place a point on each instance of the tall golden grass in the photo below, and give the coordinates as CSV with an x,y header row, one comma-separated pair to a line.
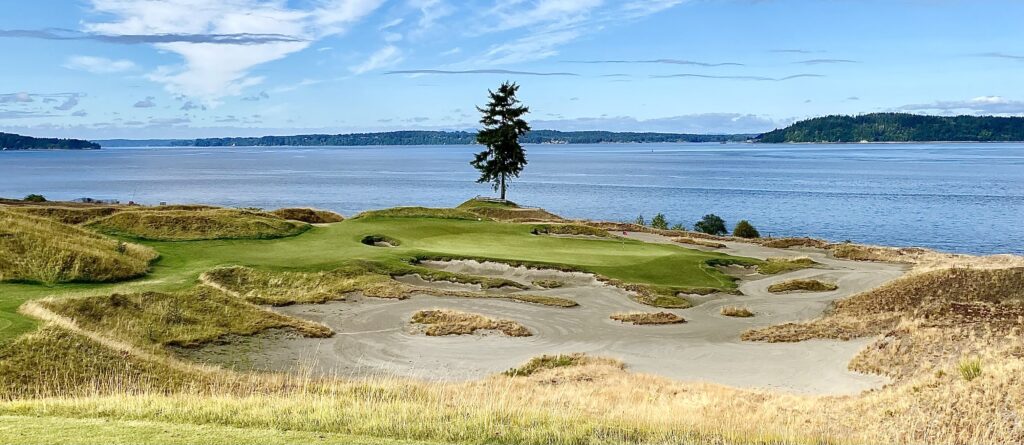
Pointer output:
x,y
38,249
203,224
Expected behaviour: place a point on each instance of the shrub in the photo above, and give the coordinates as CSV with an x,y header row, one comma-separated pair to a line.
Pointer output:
x,y
711,224
797,285
35,198
970,369
659,222
744,229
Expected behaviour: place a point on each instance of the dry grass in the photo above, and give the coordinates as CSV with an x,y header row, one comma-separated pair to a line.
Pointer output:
x,y
285,288
782,265
645,318
785,243
802,285
441,322
40,250
311,216
188,225
190,318
547,362
570,230
548,284
736,311
698,242
66,215
420,212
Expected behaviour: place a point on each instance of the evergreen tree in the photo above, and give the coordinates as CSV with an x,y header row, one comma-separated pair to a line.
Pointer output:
x,y
504,157
659,222
711,224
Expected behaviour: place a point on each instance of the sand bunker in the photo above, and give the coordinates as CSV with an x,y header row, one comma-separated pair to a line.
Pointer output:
x,y
371,338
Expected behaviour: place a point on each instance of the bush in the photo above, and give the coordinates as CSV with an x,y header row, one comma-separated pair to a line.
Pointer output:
x,y
970,369
35,198
744,229
711,224
659,222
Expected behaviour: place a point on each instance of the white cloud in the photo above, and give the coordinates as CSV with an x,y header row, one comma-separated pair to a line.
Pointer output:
x,y
215,69
977,105
706,123
98,65
384,57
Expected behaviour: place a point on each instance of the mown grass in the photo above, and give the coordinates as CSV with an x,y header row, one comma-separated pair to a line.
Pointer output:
x,y
185,319
440,322
802,285
40,250
192,225
648,318
311,216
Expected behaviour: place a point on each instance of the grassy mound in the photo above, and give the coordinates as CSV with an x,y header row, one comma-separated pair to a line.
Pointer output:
x,y
507,211
736,311
189,318
41,250
191,225
419,212
449,322
311,216
646,318
569,229
799,285
66,215
285,288
782,265
546,362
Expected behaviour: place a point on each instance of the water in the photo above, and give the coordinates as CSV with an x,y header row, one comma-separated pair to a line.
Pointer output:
x,y
952,197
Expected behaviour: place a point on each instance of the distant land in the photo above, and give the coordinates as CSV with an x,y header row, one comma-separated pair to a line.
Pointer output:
x,y
428,138
10,141
899,127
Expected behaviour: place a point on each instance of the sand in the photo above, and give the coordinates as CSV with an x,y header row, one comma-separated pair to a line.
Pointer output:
x,y
374,338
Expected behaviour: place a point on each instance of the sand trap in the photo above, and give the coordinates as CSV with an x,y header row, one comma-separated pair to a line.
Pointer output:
x,y
371,339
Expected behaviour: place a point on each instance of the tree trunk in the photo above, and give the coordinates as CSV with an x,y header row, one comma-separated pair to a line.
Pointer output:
x,y
502,187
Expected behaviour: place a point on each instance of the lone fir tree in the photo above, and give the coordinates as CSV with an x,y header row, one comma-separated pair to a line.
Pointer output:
x,y
504,157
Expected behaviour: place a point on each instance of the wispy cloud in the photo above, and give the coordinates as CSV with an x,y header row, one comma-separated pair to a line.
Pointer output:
x,y
977,105
382,58
793,51
825,61
483,71
751,78
98,65
705,123
69,103
658,61
148,102
136,39
999,55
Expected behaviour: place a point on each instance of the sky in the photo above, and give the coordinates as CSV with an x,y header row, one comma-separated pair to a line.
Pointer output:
x,y
100,69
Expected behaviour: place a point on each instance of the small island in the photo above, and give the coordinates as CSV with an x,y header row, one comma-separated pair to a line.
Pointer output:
x,y
10,141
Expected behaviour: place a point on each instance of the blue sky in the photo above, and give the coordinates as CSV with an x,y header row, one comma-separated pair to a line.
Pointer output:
x,y
198,68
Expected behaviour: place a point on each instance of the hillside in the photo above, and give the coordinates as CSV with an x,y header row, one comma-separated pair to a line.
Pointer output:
x,y
899,127
10,141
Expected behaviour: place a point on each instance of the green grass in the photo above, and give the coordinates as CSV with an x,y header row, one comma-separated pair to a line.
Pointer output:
x,y
660,269
32,430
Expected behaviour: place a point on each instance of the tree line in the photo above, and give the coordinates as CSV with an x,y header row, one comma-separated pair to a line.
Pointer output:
x,y
899,127
10,141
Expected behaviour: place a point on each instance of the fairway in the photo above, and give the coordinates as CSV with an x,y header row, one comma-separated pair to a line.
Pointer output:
x,y
667,268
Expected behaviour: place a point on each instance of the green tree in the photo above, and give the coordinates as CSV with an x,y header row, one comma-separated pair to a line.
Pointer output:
x,y
744,229
659,222
640,221
504,157
711,224
35,198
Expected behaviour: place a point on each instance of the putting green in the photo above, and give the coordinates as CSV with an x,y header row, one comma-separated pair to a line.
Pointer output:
x,y
328,247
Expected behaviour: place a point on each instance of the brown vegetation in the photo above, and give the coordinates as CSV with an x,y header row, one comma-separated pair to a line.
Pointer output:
x,y
802,285
187,225
311,216
698,242
643,318
450,322
736,311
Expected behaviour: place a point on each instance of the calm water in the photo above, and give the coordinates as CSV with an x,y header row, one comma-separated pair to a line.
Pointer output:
x,y
953,197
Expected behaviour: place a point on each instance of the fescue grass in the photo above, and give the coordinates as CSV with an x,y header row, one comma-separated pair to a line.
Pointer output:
x,y
40,250
802,285
507,211
698,242
185,319
548,284
440,322
970,369
569,229
775,266
311,216
646,318
420,212
285,288
548,362
66,215
736,311
192,225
